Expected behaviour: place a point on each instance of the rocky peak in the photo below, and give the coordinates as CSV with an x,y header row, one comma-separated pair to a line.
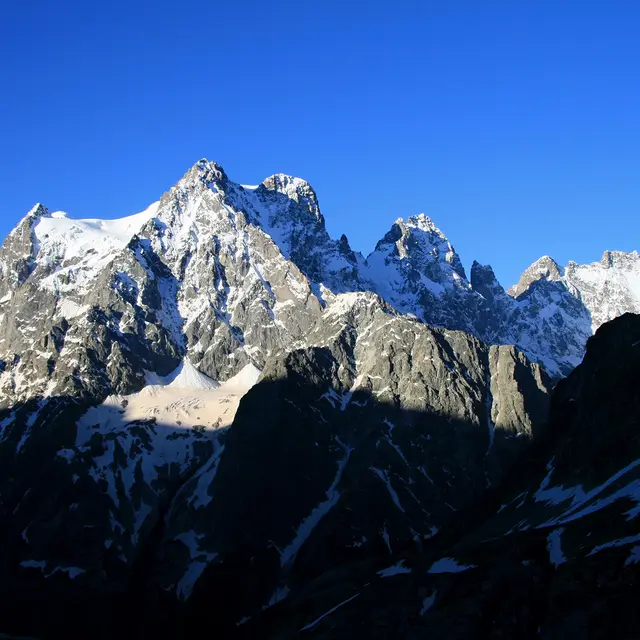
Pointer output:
x,y
19,249
544,268
419,240
345,249
204,176
423,223
303,200
293,187
210,173
393,235
37,211
620,259
414,267
484,281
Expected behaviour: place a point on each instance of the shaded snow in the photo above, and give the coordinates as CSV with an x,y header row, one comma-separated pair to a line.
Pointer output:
x,y
394,570
554,547
311,625
634,556
615,543
584,502
449,565
384,476
72,572
428,602
277,596
199,561
201,496
306,527
191,576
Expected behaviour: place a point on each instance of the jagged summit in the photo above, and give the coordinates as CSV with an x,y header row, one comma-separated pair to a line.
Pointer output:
x,y
221,255
211,172
291,186
543,268
37,211
422,222
620,259
125,346
484,281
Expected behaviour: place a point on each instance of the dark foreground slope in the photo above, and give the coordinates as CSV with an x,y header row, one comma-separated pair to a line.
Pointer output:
x,y
553,553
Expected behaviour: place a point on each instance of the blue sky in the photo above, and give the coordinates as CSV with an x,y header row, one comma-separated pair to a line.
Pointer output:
x,y
514,125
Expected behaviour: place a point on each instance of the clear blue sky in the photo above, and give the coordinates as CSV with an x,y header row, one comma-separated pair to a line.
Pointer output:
x,y
514,125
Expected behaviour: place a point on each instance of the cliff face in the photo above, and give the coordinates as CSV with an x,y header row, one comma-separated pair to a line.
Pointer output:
x,y
553,551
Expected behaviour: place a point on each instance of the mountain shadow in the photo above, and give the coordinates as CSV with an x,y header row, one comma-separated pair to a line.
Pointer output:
x,y
138,529
553,551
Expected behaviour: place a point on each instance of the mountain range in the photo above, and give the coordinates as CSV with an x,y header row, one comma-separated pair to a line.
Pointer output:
x,y
213,401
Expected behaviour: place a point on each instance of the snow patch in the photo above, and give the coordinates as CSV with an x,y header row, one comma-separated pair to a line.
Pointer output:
x,y
384,476
615,543
72,572
394,570
311,625
306,527
428,602
554,547
449,565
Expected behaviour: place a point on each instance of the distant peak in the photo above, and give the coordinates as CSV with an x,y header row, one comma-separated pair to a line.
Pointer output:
x,y
33,215
38,211
420,222
402,229
210,172
424,223
544,268
482,271
618,258
290,186
484,281
546,260
297,191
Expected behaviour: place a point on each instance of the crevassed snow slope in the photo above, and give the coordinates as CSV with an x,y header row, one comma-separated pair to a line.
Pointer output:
x,y
185,398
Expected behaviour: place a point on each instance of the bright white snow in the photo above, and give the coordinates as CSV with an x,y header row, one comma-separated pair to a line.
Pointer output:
x,y
83,246
185,398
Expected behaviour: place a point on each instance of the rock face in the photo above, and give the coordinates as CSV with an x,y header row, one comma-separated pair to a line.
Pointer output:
x,y
393,395
226,273
382,428
366,436
553,552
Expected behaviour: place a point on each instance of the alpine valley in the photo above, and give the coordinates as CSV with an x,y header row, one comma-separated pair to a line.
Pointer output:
x,y
217,421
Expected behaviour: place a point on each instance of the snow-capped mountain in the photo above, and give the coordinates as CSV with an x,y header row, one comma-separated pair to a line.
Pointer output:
x,y
213,400
607,288
225,273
